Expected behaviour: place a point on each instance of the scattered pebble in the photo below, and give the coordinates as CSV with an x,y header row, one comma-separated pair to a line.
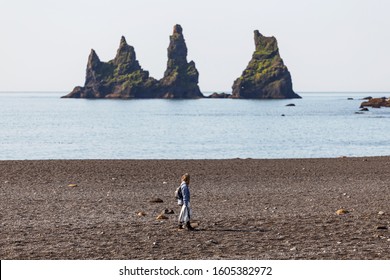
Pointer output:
x,y
293,249
195,223
164,183
141,214
382,227
168,211
161,217
157,200
342,212
381,213
72,185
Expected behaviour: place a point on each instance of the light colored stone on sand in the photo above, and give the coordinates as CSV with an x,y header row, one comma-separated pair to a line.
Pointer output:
x,y
162,217
342,212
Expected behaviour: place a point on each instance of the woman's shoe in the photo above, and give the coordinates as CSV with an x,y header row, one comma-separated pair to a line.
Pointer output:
x,y
189,227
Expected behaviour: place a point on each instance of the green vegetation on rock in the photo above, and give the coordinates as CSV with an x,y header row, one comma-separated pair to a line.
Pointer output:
x,y
266,76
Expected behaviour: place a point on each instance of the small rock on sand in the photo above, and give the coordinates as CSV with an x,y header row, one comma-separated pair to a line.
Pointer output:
x,y
157,200
72,185
141,214
162,217
382,227
342,212
168,211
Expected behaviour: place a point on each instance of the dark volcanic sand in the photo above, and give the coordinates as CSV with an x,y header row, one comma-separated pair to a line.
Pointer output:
x,y
248,209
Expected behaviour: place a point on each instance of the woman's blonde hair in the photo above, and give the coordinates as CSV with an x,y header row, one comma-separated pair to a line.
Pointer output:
x,y
186,178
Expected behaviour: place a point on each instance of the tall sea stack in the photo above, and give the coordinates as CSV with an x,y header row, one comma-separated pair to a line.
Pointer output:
x,y
181,77
266,76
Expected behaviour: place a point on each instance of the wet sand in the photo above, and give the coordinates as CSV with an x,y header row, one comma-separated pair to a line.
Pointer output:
x,y
245,208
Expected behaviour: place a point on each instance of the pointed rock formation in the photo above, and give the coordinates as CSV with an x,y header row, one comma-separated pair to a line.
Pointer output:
x,y
266,76
121,77
181,77
125,59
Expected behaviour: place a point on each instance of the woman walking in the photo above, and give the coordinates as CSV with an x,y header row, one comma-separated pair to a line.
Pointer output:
x,y
185,213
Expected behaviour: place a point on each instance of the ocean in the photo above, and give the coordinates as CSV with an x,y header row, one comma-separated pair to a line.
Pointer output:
x,y
41,125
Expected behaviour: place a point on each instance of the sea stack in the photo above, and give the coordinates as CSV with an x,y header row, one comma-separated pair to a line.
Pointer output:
x,y
181,77
121,77
266,76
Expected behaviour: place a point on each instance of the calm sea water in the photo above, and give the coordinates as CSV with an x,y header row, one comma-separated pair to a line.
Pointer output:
x,y
43,126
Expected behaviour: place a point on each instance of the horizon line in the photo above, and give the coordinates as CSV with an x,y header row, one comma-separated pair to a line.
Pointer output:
x,y
210,91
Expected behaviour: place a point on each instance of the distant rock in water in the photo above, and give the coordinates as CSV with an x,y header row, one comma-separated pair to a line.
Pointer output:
x,y
181,77
124,78
266,76
219,95
376,102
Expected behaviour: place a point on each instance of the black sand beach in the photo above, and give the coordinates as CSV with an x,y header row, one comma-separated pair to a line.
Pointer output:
x,y
244,208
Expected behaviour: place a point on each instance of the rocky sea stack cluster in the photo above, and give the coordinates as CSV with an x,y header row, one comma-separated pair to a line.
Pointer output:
x,y
375,102
124,78
265,77
121,77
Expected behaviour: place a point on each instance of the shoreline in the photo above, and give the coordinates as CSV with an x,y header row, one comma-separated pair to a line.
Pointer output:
x,y
199,159
246,209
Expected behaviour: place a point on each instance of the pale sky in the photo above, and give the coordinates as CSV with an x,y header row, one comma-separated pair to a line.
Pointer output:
x,y
333,45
